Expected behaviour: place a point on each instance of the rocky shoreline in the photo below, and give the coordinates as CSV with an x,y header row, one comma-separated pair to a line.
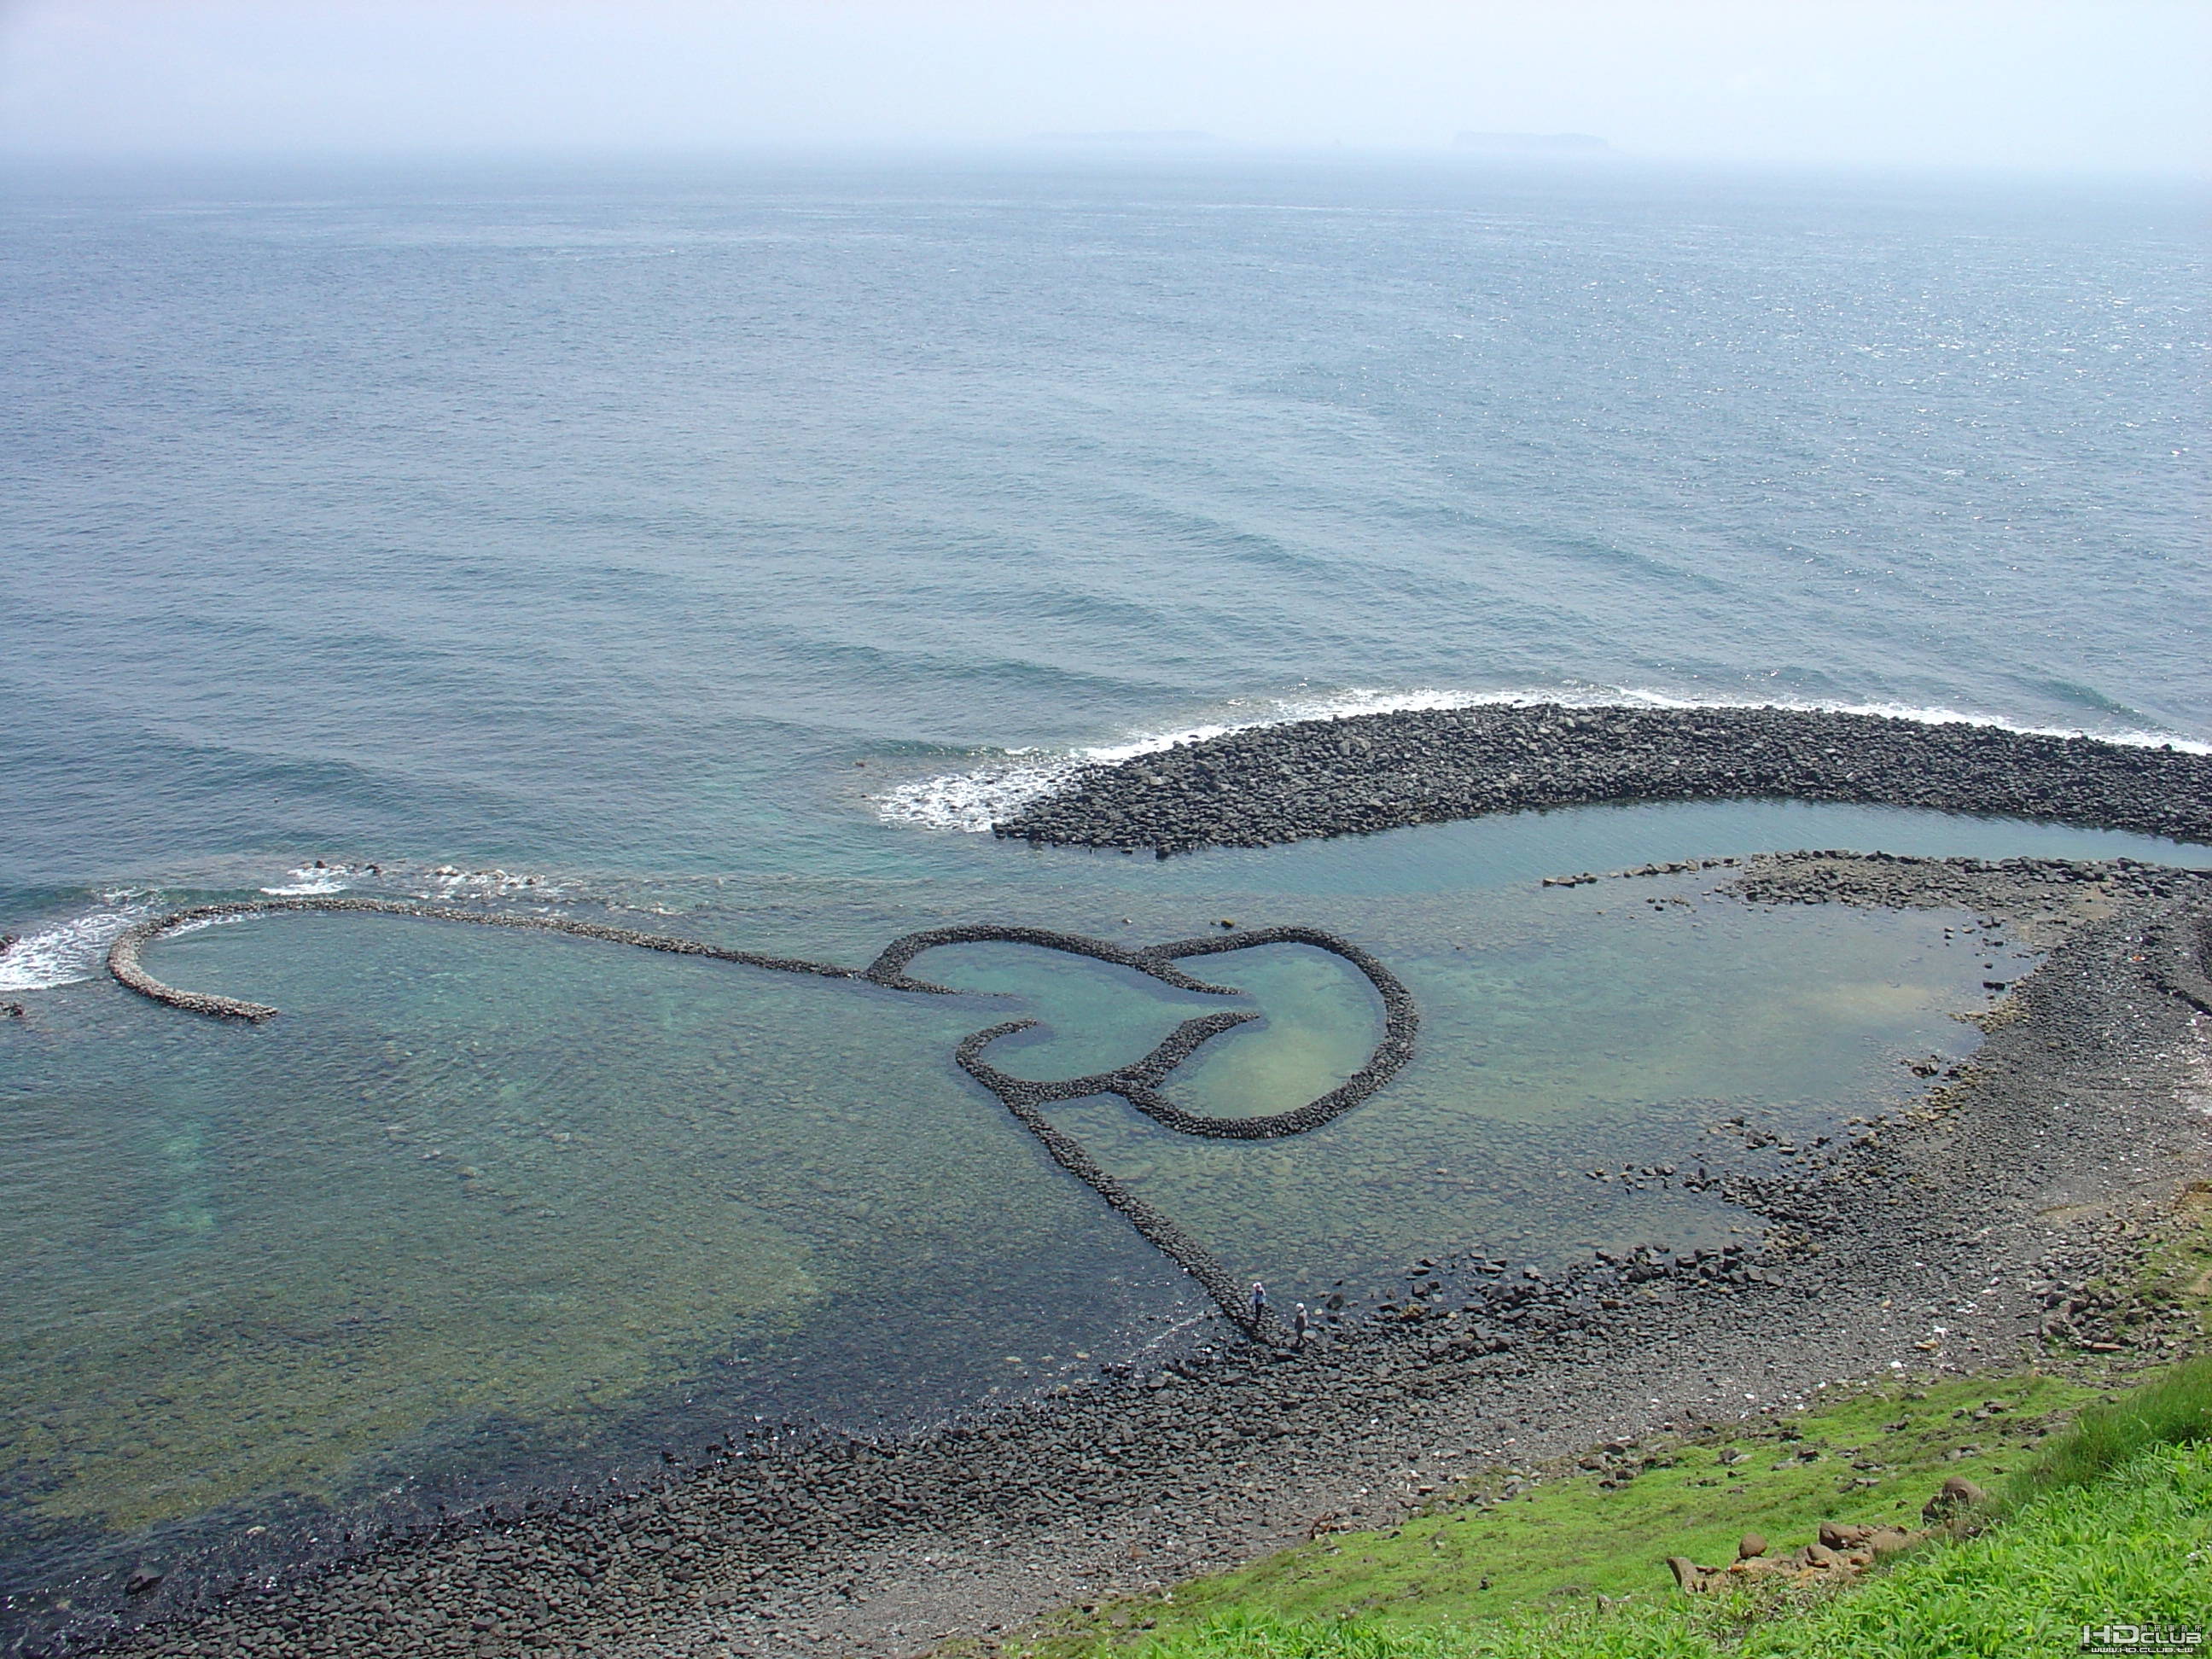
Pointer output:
x,y
1353,776
1951,1234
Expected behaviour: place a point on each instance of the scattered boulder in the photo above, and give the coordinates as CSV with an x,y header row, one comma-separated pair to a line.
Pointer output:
x,y
1957,1493
1841,1555
1882,1541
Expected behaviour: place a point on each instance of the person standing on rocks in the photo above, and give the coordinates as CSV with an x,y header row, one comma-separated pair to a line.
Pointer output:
x,y
1298,1322
1259,1301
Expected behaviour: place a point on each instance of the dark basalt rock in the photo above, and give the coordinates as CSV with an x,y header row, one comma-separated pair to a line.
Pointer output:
x,y
1284,783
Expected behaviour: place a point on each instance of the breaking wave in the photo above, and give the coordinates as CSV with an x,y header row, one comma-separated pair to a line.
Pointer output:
x,y
975,798
68,951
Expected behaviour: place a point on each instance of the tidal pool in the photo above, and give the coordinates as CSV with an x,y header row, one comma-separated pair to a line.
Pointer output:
x,y
486,1213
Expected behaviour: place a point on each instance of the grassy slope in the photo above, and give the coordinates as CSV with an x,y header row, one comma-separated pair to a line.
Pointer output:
x,y
2135,1546
1569,1541
1478,1559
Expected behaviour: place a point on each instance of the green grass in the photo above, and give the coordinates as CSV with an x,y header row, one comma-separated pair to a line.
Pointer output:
x,y
2177,1407
1260,1636
2133,1545
1870,1455
2098,1517
1477,1562
2100,1521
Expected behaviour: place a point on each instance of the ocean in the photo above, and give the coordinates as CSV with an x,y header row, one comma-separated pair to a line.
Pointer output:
x,y
720,547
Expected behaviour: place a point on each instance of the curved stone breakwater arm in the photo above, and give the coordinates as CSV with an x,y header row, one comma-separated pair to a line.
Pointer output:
x,y
1283,783
1139,1083
123,955
889,969
1022,1098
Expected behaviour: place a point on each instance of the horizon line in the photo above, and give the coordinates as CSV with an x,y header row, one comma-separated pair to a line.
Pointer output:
x,y
1168,146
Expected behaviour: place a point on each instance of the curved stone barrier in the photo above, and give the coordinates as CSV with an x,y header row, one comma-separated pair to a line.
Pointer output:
x,y
1139,1083
889,969
1273,784
123,955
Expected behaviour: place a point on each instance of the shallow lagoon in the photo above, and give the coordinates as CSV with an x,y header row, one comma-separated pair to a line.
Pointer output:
x,y
483,1213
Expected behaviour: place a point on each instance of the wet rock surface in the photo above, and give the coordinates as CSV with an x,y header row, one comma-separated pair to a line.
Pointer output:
x,y
1284,783
1941,1236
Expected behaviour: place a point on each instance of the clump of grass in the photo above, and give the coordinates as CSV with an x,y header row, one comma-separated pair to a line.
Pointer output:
x,y
2127,1546
1247,1635
2174,1409
2112,1520
1480,1560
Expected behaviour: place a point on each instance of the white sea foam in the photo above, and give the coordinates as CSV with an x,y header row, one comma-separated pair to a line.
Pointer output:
x,y
973,800
69,952
307,884
454,882
202,924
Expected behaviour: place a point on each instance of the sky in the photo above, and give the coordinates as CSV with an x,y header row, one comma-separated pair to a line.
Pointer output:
x,y
2036,85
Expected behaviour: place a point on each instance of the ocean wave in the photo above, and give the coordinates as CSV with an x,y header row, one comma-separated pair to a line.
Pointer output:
x,y
973,800
453,881
72,950
75,949
307,884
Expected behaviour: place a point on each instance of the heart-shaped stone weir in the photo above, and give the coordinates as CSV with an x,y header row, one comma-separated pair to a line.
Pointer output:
x,y
1141,1083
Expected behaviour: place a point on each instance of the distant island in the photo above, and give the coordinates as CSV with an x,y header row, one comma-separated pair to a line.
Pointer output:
x,y
1547,143
1136,135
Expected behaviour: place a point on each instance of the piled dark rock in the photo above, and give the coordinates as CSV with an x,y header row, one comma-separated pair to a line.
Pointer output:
x,y
1284,783
763,1525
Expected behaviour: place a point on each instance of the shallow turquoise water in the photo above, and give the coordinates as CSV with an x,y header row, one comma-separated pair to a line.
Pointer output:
x,y
480,1211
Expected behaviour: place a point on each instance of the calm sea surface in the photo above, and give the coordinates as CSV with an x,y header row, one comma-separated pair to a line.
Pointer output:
x,y
715,550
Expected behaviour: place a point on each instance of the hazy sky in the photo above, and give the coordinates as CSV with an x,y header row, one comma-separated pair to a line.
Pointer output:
x,y
2119,84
